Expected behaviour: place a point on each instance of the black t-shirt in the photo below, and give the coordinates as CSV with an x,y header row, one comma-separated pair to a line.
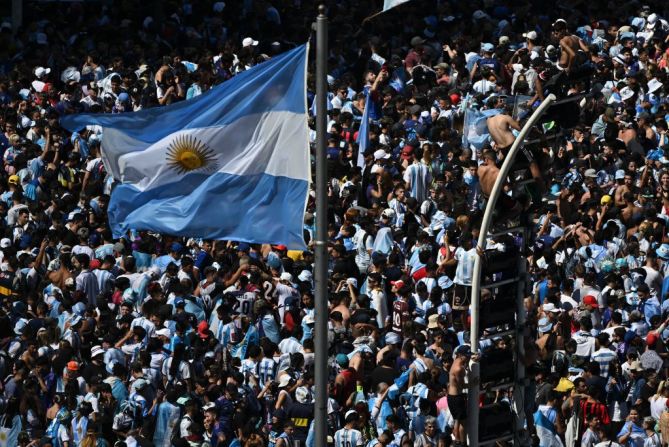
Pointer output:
x,y
383,374
301,415
91,370
647,392
69,238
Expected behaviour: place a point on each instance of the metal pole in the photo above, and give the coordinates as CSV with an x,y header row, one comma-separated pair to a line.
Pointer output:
x,y
519,388
474,376
17,15
321,254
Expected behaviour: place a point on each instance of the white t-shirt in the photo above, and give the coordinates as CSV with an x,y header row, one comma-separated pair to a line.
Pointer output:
x,y
585,344
364,244
379,303
465,268
182,373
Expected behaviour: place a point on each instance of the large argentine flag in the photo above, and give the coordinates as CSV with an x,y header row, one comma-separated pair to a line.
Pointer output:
x,y
232,163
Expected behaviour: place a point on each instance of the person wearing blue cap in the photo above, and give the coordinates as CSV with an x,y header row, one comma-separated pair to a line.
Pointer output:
x,y
173,256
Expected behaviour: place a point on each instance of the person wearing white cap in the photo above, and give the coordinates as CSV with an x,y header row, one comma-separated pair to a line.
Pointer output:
x,y
41,72
249,42
349,435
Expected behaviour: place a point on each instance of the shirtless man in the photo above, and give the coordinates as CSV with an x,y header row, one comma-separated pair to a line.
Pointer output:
x,y
569,45
628,182
500,127
631,213
456,399
487,173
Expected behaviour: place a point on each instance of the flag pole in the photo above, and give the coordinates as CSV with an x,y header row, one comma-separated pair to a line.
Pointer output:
x,y
320,242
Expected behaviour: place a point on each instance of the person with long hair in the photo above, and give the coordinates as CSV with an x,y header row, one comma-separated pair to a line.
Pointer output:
x,y
93,439
176,368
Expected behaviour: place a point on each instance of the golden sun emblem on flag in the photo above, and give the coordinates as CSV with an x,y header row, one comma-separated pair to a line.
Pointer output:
x,y
186,153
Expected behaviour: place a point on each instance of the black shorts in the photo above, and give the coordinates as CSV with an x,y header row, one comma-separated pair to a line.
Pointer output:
x,y
461,297
457,405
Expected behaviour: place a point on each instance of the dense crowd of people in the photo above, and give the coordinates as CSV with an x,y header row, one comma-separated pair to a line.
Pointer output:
x,y
156,340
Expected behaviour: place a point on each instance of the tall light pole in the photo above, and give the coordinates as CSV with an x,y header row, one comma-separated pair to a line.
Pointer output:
x,y
320,243
475,374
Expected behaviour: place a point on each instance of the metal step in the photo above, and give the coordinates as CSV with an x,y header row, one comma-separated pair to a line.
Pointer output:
x,y
493,441
500,386
501,283
507,231
498,334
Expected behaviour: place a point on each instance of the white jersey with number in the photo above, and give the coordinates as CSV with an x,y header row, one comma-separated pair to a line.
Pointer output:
x,y
347,437
245,303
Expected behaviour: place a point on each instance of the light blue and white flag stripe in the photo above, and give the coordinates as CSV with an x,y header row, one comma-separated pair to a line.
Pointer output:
x,y
475,132
363,133
232,163
388,4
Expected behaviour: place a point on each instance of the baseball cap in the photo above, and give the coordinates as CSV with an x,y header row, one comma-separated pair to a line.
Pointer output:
x,y
620,174
72,366
590,300
397,284
5,242
417,40
463,350
20,326
176,247
564,385
165,332
342,360
392,338
388,213
433,321
13,179
532,35
651,339
550,307
590,173
381,154
202,329
248,41
285,276
407,152
41,71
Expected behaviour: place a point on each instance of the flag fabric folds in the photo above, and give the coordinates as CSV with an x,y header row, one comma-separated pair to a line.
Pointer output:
x,y
475,132
388,4
232,163
363,133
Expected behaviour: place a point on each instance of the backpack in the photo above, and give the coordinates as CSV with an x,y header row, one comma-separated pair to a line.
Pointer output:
x,y
97,177
176,430
125,419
